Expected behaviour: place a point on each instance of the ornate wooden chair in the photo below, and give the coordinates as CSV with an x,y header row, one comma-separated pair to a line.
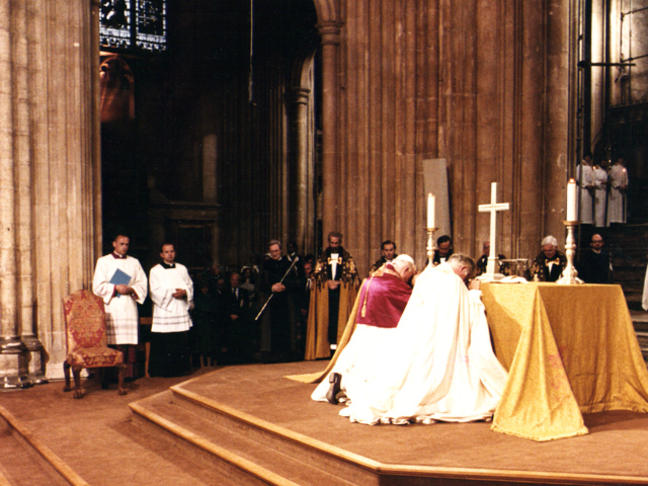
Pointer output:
x,y
85,330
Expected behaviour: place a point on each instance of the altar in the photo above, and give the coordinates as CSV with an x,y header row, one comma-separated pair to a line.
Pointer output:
x,y
569,349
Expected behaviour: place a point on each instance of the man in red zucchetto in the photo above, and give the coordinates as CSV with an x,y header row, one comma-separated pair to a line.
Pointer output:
x,y
380,303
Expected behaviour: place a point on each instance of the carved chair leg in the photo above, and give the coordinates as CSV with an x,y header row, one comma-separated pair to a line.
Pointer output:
x,y
66,374
78,389
120,380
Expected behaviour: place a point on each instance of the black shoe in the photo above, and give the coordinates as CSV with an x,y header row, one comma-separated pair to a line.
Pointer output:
x,y
334,389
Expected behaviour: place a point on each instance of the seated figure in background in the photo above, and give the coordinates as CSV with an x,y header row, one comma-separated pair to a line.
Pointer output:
x,y
444,249
438,363
381,302
594,265
482,262
550,262
388,253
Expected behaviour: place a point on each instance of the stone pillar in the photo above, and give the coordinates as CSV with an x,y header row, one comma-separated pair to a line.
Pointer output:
x,y
14,132
48,178
302,220
23,136
210,185
330,33
209,161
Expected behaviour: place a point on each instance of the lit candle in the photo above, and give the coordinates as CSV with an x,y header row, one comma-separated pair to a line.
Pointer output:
x,y
430,210
571,200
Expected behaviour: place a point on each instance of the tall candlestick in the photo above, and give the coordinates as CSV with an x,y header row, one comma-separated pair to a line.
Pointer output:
x,y
430,210
571,200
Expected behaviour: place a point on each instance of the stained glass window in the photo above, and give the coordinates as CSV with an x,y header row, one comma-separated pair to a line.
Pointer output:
x,y
150,25
133,25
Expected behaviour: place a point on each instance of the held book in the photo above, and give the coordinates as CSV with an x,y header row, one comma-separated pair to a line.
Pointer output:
x,y
120,277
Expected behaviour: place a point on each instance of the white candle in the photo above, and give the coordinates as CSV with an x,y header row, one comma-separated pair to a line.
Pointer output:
x,y
430,210
571,200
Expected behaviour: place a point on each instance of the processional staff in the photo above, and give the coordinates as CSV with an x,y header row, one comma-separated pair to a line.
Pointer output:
x,y
265,305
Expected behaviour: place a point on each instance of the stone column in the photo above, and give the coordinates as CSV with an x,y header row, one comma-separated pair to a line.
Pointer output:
x,y
24,32
13,130
210,185
330,33
48,178
303,212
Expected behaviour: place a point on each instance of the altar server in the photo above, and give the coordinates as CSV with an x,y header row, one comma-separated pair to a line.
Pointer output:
x,y
172,295
120,281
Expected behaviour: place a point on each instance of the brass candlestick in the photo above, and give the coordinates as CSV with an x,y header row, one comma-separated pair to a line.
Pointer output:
x,y
431,248
569,275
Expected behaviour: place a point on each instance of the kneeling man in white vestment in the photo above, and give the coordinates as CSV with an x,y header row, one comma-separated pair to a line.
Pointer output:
x,y
439,363
381,301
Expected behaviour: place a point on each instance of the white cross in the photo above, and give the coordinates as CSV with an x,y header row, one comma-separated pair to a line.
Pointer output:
x,y
492,208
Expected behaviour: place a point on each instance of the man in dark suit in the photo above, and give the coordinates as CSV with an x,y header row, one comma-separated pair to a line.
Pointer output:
x,y
444,249
594,265
241,342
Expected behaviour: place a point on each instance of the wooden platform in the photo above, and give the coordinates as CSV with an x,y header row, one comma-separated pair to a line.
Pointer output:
x,y
250,425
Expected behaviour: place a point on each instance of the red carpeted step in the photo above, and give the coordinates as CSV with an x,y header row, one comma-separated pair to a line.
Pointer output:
x,y
21,465
238,451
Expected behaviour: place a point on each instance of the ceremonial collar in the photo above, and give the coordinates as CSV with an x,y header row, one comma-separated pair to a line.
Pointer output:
x,y
166,265
118,256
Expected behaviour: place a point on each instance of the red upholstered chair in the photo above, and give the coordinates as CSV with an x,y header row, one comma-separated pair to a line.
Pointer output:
x,y
85,330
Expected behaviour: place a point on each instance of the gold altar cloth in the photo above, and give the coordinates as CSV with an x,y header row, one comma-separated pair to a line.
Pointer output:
x,y
569,349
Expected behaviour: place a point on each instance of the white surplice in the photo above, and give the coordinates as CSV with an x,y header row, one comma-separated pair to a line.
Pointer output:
x,y
437,365
170,314
617,208
600,178
585,182
121,310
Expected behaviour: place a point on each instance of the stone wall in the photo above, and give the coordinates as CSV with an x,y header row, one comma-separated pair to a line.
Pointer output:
x,y
484,84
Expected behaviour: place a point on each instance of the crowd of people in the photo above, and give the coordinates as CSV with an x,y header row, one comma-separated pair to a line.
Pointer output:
x,y
287,307
256,313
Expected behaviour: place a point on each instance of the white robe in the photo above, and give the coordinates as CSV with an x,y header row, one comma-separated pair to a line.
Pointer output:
x,y
359,360
585,181
121,310
617,205
170,314
438,364
600,177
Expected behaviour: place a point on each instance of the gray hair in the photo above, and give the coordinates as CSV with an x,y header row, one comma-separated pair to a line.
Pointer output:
x,y
402,261
549,240
458,260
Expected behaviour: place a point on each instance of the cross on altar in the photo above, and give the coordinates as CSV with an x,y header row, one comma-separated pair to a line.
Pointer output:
x,y
492,208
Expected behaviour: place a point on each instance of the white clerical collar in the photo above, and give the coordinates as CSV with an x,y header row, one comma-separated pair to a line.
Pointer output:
x,y
334,264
